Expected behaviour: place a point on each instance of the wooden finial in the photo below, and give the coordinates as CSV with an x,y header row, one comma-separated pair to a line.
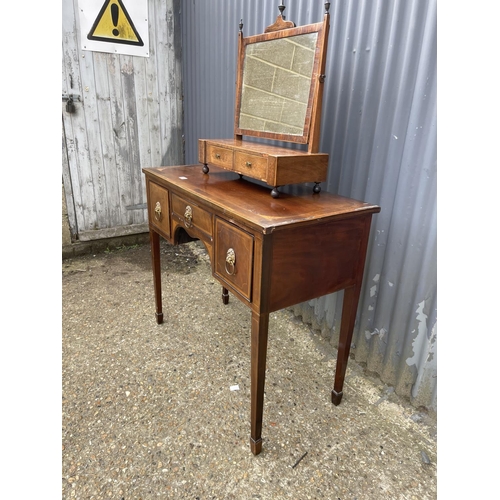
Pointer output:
x,y
280,23
281,8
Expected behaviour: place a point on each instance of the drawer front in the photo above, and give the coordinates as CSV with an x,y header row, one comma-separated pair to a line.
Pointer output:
x,y
222,157
192,215
158,207
252,165
234,257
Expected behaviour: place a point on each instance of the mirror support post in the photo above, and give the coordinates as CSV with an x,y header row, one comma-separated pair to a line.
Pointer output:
x,y
239,82
314,131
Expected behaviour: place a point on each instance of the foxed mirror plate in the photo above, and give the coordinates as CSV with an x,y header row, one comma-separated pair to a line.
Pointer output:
x,y
277,85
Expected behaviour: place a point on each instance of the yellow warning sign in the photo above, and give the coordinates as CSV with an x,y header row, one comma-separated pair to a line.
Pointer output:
x,y
113,24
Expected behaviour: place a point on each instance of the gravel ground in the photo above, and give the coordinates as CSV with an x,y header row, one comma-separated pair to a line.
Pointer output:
x,y
148,411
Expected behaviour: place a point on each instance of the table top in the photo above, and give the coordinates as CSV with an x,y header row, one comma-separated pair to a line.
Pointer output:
x,y
226,191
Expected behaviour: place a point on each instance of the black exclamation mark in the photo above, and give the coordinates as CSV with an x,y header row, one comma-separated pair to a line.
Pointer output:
x,y
114,16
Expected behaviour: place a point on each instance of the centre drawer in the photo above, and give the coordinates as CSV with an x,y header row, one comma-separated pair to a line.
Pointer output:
x,y
191,215
234,257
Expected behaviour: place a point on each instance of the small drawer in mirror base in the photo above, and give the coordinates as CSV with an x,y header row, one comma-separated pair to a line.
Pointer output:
x,y
221,157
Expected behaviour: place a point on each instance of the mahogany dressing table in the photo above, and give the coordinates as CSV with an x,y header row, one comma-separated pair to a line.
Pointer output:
x,y
274,251
270,253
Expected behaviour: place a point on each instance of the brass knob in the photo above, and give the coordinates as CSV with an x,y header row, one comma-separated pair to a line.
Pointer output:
x,y
158,211
230,262
248,164
188,216
217,155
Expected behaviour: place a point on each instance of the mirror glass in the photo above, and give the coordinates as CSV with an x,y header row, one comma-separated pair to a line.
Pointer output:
x,y
276,84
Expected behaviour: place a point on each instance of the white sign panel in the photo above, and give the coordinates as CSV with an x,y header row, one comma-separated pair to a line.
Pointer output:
x,y
116,26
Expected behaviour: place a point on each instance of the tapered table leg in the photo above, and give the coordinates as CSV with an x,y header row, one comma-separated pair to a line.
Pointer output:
x,y
154,238
260,325
225,296
349,308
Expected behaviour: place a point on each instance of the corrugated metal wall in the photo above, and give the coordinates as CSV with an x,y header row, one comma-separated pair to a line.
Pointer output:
x,y
379,127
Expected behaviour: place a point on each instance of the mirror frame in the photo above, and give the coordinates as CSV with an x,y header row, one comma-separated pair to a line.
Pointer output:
x,y
281,29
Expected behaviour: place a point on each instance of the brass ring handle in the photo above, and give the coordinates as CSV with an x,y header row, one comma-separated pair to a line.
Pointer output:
x,y
248,164
158,211
188,216
230,261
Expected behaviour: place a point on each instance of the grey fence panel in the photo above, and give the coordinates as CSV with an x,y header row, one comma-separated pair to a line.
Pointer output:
x,y
128,115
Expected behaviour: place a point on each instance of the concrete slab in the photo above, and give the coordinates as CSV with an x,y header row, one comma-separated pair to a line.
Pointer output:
x,y
151,411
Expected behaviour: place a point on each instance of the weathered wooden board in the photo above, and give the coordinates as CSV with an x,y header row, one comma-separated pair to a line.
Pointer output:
x,y
128,115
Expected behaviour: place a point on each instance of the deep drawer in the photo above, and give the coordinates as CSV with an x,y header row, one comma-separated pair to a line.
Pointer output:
x,y
158,207
234,257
